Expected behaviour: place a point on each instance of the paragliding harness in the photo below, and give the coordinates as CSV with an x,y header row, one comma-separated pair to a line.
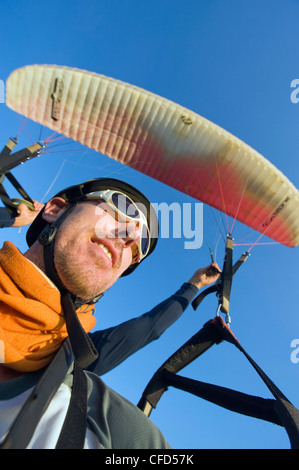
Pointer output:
x,y
9,161
279,410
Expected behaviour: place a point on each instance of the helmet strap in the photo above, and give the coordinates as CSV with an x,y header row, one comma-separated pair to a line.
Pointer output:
x,y
84,350
46,238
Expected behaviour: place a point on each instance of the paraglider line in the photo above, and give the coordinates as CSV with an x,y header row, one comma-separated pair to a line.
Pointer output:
x,y
218,225
60,151
256,244
258,239
54,180
216,246
49,139
222,195
23,127
239,205
24,122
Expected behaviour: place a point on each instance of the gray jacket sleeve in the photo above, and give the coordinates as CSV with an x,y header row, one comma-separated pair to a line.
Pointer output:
x,y
116,344
5,219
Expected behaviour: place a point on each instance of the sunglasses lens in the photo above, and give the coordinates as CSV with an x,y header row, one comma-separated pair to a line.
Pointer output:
x,y
124,205
144,240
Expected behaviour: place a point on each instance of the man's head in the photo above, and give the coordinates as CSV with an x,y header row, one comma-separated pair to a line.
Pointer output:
x,y
102,229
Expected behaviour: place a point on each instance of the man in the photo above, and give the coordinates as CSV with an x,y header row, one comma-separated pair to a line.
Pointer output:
x,y
82,241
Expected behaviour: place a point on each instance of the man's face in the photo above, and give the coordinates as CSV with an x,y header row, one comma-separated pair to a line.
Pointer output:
x,y
92,248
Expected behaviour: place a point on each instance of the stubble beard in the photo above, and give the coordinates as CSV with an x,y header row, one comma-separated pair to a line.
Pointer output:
x,y
83,281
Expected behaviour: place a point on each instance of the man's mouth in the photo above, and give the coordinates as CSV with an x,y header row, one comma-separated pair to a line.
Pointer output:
x,y
104,248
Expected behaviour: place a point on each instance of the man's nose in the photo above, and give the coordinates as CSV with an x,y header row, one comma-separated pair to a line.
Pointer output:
x,y
129,231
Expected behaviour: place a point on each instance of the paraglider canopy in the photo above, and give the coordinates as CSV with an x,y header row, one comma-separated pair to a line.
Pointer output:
x,y
160,139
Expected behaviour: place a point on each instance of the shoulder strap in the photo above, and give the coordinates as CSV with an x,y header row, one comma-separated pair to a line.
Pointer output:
x,y
83,348
73,431
72,435
22,429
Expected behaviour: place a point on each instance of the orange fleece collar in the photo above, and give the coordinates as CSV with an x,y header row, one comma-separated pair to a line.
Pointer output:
x,y
32,325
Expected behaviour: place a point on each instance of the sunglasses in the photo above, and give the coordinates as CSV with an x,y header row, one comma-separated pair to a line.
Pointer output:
x,y
127,210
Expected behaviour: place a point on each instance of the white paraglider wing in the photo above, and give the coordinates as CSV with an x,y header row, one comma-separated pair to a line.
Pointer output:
x,y
163,140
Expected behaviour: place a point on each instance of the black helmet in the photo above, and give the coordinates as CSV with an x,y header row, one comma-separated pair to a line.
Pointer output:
x,y
81,191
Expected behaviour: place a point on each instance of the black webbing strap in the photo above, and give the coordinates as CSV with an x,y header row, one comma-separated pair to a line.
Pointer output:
x,y
279,411
22,429
286,411
18,187
192,349
225,281
226,277
9,160
197,301
83,348
73,431
8,148
10,206
232,400
240,261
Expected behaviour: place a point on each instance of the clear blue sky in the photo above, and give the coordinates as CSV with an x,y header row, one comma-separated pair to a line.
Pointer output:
x,y
233,62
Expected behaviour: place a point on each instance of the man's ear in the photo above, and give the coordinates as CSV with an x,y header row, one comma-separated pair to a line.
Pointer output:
x,y
54,209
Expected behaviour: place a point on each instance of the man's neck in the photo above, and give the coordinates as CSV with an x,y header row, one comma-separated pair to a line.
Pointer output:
x,y
36,256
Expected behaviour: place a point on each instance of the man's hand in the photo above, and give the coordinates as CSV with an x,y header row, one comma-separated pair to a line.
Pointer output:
x,y
26,215
205,276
